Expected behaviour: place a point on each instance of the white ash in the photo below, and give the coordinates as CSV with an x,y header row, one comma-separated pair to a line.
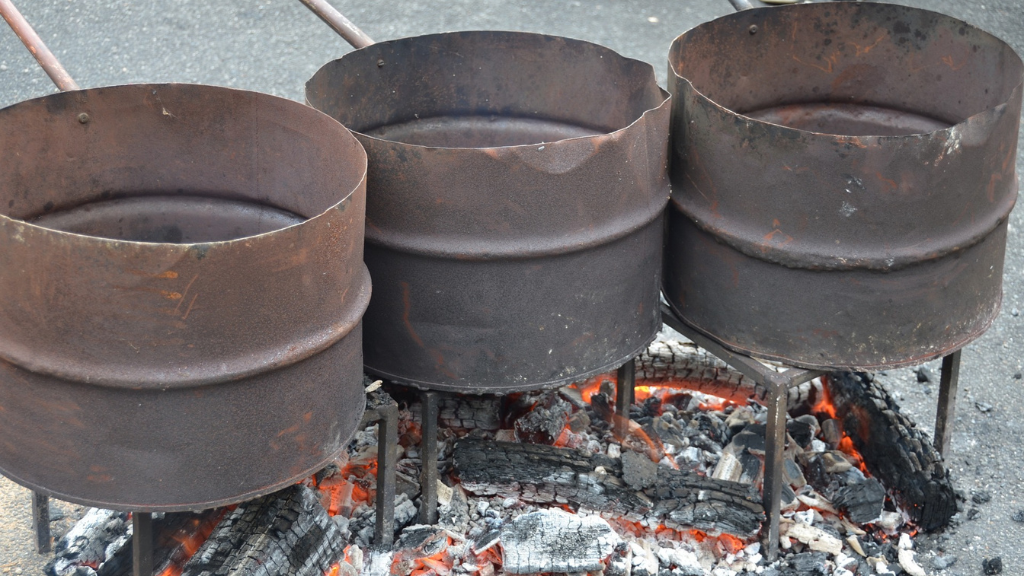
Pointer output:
x,y
556,541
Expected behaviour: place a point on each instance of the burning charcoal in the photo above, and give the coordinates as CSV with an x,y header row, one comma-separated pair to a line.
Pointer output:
x,y
815,538
579,422
651,407
801,432
487,539
553,540
792,475
681,562
87,542
862,502
621,561
809,564
711,425
924,375
638,471
454,515
421,541
751,439
669,431
645,562
894,450
288,531
545,422
992,566
831,432
739,419
981,497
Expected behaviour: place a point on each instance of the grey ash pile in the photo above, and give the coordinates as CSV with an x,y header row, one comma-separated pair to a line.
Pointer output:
x,y
555,482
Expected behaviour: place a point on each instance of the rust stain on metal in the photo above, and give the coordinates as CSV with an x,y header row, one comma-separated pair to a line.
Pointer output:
x,y
500,197
894,188
145,297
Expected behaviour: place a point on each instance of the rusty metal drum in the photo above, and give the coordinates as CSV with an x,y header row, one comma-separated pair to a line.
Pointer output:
x,y
515,199
842,175
183,287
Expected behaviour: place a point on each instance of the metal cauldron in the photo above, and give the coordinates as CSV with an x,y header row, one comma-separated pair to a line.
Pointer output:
x,y
516,190
183,285
842,176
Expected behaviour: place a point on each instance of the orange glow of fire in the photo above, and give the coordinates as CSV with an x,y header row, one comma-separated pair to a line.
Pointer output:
x,y
826,408
191,538
334,570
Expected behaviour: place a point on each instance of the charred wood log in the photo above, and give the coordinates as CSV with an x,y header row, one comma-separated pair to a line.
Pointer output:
x,y
287,532
88,541
101,542
894,450
686,365
175,537
546,474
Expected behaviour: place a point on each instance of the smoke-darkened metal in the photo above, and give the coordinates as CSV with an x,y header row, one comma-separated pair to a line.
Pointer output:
x,y
842,175
514,213
183,286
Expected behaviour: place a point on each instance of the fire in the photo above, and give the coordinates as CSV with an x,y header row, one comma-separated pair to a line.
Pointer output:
x,y
826,408
191,538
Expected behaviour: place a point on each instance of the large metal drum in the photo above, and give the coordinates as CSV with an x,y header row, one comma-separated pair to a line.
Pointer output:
x,y
183,285
516,188
842,175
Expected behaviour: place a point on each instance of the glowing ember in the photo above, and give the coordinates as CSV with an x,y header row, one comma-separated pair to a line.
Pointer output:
x,y
190,538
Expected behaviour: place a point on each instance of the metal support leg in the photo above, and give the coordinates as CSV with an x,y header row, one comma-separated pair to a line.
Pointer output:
x,y
428,454
387,462
948,382
41,522
774,446
624,394
142,544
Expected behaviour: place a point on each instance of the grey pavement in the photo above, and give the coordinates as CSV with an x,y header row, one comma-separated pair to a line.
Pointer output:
x,y
274,46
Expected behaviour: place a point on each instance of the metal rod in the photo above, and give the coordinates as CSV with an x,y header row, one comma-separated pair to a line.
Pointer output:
x,y
741,4
948,382
771,497
625,382
35,45
142,544
343,26
428,455
41,522
387,464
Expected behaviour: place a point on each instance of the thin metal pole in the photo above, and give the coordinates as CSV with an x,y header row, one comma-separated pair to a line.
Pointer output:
x,y
774,448
428,455
142,544
41,522
35,45
625,383
387,464
741,4
343,26
948,382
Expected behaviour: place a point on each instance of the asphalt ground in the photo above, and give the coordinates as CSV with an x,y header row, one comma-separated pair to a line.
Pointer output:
x,y
274,46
